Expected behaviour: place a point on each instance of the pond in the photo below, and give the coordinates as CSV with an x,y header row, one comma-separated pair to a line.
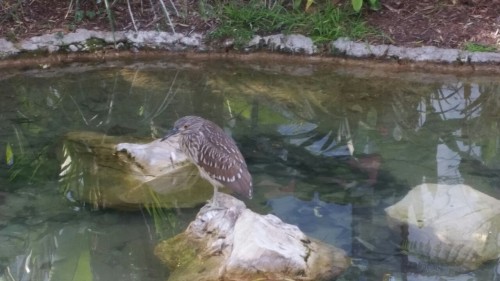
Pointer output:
x,y
330,147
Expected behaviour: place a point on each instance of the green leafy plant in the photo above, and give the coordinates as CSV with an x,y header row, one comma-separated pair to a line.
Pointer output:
x,y
80,15
331,23
240,21
325,23
373,4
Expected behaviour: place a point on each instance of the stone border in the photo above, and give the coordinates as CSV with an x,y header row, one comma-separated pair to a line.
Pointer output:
x,y
421,54
83,40
90,40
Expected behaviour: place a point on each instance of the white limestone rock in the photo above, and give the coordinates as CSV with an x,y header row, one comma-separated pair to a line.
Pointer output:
x,y
357,49
292,43
107,172
484,57
452,225
7,48
152,37
234,243
154,158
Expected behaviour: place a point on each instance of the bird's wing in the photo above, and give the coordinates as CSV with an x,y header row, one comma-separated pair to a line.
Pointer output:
x,y
221,159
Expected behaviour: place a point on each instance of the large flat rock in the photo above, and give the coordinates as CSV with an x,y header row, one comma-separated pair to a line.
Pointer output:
x,y
234,243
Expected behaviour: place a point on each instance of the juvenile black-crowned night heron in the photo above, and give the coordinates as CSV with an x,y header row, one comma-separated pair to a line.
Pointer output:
x,y
214,153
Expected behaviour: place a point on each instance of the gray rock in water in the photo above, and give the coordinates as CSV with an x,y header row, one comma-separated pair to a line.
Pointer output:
x,y
449,225
107,172
234,243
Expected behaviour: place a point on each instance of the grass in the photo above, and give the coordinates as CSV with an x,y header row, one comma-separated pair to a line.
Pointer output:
x,y
334,22
475,47
242,21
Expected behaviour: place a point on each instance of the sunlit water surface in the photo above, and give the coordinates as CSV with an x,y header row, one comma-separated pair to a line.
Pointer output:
x,y
329,148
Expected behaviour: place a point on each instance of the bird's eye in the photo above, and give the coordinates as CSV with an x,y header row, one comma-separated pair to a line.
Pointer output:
x,y
185,126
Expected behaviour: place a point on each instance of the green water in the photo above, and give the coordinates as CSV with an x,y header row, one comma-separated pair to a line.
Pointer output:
x,y
329,148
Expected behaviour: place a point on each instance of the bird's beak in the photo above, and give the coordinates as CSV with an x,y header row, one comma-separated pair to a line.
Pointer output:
x,y
169,134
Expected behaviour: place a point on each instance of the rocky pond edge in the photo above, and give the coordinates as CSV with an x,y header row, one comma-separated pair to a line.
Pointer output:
x,y
83,40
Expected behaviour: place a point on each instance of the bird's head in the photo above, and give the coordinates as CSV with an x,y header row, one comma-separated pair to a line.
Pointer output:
x,y
185,125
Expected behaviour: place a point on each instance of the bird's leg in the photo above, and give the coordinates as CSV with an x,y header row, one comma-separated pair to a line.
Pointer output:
x,y
214,198
213,204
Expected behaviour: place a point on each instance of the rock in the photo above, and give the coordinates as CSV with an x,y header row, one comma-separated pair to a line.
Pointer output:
x,y
484,57
152,38
79,36
53,48
426,53
293,43
192,40
110,37
39,42
73,39
347,47
153,158
361,50
107,172
255,42
73,48
164,40
234,243
298,43
7,48
451,225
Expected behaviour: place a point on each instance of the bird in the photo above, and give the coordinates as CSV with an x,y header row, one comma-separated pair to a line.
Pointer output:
x,y
214,153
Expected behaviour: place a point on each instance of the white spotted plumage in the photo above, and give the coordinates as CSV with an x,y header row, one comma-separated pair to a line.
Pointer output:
x,y
214,153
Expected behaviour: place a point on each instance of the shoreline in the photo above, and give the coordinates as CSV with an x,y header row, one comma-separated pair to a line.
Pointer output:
x,y
91,46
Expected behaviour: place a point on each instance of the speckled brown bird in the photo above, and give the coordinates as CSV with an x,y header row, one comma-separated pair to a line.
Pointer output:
x,y
214,153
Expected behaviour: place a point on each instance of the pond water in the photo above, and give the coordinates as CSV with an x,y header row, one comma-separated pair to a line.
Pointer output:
x,y
329,148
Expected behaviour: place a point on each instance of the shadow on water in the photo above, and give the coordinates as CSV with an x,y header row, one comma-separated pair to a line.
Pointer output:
x,y
329,148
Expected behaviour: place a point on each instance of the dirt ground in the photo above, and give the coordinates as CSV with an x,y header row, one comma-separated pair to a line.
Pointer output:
x,y
441,23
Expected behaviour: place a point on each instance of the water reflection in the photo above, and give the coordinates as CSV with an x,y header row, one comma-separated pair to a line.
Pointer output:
x,y
330,148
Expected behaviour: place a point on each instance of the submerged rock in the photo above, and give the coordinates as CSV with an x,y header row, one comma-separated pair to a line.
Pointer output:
x,y
234,243
106,172
451,225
